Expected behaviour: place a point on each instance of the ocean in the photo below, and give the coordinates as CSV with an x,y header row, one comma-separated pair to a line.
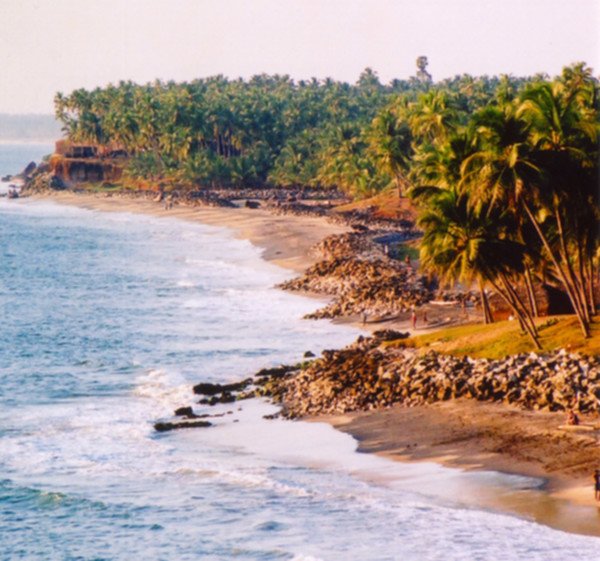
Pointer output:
x,y
107,321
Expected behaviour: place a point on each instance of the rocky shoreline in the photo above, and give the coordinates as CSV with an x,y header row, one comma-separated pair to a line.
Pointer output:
x,y
344,388
361,278
378,371
508,414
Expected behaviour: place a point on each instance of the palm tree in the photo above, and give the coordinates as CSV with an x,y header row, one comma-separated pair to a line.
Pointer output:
x,y
564,131
464,244
433,117
519,147
390,144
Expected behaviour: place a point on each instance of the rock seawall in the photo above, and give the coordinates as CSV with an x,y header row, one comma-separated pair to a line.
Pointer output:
x,y
368,375
362,278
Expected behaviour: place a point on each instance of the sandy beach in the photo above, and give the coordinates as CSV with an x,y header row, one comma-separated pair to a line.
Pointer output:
x,y
473,436
478,436
285,240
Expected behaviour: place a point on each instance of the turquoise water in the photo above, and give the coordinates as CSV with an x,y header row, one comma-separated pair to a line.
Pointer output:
x,y
107,321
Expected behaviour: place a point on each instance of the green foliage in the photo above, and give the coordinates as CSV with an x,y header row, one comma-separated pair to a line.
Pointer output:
x,y
145,165
510,190
504,169
269,129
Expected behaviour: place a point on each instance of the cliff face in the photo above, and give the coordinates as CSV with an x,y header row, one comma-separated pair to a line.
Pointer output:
x,y
74,164
80,163
78,170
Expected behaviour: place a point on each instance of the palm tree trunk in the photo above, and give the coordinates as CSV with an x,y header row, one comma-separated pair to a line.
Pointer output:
x,y
575,281
587,280
485,305
591,284
531,292
508,298
519,304
585,328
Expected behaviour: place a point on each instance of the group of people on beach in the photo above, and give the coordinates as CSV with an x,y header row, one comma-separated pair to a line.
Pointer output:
x,y
414,318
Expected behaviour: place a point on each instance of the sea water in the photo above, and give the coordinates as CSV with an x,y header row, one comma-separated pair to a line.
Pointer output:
x,y
107,321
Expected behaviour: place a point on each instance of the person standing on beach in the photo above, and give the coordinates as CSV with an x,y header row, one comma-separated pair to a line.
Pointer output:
x,y
413,318
597,484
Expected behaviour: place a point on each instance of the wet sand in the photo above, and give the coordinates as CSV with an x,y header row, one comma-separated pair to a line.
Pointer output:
x,y
548,469
552,468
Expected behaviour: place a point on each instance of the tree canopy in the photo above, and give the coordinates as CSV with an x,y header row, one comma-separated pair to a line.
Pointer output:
x,y
270,130
503,169
518,176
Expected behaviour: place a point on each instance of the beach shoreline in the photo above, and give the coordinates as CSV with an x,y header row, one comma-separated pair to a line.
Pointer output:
x,y
478,437
286,241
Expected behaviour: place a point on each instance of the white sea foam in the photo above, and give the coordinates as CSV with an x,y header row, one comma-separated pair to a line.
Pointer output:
x,y
167,390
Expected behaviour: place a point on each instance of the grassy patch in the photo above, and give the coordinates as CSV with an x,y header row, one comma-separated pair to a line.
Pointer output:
x,y
100,187
504,338
106,187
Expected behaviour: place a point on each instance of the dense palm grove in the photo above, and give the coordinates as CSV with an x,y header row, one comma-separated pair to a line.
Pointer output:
x,y
269,130
510,192
503,170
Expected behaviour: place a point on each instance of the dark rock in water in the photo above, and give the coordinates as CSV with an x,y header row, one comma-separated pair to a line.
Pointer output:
x,y
186,412
29,169
309,354
225,397
276,372
164,427
206,388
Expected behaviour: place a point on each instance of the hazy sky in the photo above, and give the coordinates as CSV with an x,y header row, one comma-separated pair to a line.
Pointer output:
x,y
59,45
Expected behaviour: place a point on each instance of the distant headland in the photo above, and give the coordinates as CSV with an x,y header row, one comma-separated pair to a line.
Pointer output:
x,y
30,127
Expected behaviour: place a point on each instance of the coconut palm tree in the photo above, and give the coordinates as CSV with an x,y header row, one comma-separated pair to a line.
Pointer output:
x,y
390,144
462,243
564,131
433,117
523,161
